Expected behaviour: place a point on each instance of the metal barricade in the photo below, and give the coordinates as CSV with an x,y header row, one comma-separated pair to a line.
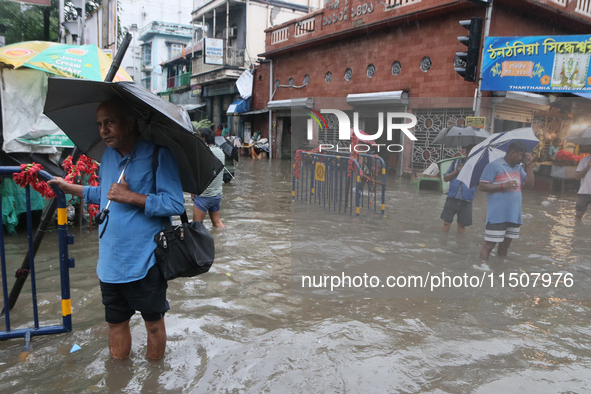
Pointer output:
x,y
324,179
65,264
372,166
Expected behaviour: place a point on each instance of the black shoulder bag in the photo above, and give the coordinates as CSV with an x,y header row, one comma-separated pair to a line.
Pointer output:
x,y
183,251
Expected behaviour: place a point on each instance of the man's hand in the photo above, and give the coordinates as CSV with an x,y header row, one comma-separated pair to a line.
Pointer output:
x,y
59,182
75,190
119,192
510,185
459,168
529,159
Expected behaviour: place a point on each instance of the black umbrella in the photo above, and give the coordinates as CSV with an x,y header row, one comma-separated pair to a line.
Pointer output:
x,y
229,150
72,105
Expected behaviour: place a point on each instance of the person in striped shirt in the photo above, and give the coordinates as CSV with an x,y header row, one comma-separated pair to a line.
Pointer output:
x,y
503,179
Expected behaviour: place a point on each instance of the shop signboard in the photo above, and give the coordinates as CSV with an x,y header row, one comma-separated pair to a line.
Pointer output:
x,y
214,51
537,64
476,121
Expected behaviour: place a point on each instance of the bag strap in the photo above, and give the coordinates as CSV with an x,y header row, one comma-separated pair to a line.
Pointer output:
x,y
155,162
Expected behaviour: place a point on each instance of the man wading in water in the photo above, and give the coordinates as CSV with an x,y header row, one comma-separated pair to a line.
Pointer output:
x,y
129,279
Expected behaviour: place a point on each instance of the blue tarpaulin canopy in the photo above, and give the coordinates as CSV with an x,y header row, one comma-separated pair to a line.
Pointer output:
x,y
238,106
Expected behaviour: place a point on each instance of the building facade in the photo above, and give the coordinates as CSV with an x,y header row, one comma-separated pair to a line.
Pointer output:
x,y
234,32
403,50
161,41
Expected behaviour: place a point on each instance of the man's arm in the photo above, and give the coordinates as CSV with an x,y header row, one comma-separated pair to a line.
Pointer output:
x,y
529,170
68,188
451,175
168,199
497,187
581,174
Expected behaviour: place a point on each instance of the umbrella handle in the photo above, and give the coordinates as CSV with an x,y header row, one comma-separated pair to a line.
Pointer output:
x,y
102,216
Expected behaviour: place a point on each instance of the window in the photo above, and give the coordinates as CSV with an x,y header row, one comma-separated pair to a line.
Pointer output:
x,y
175,50
147,81
147,54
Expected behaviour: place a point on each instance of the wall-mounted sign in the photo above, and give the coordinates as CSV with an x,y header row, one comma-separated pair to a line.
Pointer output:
x,y
195,90
219,89
537,64
476,121
214,51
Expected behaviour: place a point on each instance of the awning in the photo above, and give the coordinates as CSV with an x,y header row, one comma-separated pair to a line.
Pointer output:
x,y
520,106
395,97
192,107
239,106
255,112
287,104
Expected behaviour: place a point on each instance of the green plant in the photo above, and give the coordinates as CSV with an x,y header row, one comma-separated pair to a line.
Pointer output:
x,y
202,123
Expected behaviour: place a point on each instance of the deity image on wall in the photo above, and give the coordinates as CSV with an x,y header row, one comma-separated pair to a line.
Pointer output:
x,y
570,69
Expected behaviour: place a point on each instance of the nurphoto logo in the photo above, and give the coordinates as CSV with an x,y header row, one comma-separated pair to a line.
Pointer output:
x,y
346,132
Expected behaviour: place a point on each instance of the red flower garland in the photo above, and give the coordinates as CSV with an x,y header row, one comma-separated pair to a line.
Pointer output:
x,y
28,176
85,165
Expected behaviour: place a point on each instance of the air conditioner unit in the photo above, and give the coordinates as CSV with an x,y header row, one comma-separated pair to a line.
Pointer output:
x,y
232,32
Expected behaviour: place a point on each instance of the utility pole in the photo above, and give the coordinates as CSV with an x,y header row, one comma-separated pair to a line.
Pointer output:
x,y
105,28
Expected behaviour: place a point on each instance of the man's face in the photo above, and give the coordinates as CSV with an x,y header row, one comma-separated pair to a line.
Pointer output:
x,y
513,157
114,128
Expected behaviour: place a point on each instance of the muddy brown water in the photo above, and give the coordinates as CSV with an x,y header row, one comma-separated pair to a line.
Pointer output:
x,y
242,329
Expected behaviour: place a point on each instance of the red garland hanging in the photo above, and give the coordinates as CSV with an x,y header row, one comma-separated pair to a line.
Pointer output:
x,y
85,165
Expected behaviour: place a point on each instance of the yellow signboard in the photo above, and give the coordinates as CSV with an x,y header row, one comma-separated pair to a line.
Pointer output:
x,y
476,121
319,172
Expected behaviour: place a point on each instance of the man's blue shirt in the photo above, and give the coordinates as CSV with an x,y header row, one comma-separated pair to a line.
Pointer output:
x,y
126,250
505,206
457,189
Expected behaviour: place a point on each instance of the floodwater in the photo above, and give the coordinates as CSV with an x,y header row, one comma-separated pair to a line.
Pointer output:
x,y
241,329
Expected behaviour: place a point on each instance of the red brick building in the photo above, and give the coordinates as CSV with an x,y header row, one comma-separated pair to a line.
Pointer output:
x,y
404,49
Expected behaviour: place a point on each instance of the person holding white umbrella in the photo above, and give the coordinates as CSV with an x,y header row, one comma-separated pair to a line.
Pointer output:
x,y
503,179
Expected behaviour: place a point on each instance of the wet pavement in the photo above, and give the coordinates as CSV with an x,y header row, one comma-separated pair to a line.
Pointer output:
x,y
242,328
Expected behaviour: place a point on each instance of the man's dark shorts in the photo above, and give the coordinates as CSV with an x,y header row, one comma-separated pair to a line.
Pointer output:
x,y
583,201
147,295
455,206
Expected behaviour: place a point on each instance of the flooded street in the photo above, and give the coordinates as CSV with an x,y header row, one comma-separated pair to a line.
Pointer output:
x,y
247,327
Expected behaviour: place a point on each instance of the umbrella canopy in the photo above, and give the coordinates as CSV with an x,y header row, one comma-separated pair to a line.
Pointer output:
x,y
73,61
229,150
582,137
72,105
461,136
493,148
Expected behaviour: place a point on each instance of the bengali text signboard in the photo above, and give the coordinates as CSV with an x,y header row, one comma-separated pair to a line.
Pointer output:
x,y
537,64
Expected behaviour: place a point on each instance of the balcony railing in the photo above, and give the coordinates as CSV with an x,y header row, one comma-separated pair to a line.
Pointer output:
x,y
401,3
280,35
583,7
178,81
305,27
560,2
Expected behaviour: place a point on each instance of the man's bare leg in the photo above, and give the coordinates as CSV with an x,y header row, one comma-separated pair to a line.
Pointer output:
x,y
156,339
504,247
445,227
461,229
486,249
216,219
119,340
198,215
579,216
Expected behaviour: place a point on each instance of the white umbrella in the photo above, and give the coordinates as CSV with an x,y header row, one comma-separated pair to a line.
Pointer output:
x,y
461,136
493,148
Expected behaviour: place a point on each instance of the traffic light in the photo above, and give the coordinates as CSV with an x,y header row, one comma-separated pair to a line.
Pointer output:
x,y
466,63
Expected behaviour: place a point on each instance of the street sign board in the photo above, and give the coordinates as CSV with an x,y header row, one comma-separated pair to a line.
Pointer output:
x,y
476,121
537,64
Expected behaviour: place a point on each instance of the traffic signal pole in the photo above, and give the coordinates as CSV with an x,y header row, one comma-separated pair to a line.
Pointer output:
x,y
485,34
